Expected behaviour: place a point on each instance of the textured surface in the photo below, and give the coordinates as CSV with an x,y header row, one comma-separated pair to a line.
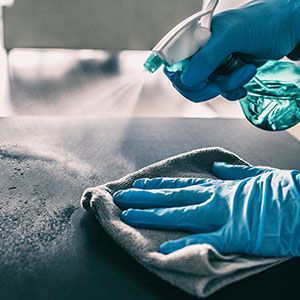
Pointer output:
x,y
52,249
198,269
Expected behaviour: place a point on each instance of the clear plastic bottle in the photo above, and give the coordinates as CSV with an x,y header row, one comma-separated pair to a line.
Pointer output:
x,y
273,100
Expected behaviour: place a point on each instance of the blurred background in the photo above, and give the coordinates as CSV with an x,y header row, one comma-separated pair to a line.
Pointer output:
x,y
95,24
85,57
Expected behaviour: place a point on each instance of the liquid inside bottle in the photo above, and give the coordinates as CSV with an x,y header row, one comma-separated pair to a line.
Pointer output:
x,y
273,100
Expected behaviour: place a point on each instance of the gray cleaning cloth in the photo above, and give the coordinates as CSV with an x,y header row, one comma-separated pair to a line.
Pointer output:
x,y
198,269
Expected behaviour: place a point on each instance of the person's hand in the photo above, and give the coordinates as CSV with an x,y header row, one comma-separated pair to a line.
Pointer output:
x,y
248,210
260,30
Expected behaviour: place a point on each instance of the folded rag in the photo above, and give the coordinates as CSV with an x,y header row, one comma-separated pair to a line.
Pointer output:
x,y
198,269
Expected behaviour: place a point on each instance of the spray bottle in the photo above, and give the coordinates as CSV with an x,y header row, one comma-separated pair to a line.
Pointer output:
x,y
272,102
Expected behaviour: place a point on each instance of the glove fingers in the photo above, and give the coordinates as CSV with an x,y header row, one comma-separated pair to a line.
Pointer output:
x,y
214,239
175,78
167,183
235,94
231,86
236,172
236,79
154,198
207,59
200,93
194,218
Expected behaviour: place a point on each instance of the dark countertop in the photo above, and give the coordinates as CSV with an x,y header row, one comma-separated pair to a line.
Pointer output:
x,y
50,248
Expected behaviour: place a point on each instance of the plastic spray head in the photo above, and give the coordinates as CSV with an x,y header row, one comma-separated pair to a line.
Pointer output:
x,y
153,62
183,41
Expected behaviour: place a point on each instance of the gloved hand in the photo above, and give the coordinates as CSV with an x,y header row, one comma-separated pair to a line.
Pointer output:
x,y
248,210
262,29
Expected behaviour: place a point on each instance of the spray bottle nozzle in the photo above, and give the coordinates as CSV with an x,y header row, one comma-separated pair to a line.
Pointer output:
x,y
183,41
153,62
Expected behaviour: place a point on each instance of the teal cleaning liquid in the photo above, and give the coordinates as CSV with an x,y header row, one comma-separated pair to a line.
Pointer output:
x,y
273,100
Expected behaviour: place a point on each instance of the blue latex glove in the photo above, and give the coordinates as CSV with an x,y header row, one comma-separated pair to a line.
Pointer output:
x,y
248,210
262,29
